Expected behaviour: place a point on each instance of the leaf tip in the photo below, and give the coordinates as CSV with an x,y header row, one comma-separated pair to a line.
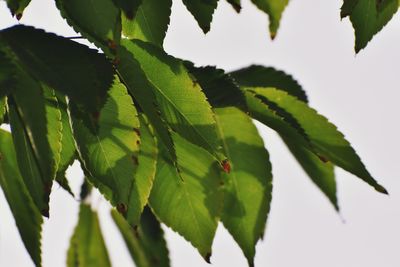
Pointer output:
x,y
207,257
381,189
18,16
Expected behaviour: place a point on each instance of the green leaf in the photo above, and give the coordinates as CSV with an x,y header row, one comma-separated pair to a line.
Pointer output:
x,y
99,21
17,7
71,68
146,243
189,201
109,154
145,172
368,18
260,76
128,6
321,173
235,4
68,150
87,247
274,9
181,101
150,23
324,137
202,11
35,121
25,213
7,73
248,187
2,109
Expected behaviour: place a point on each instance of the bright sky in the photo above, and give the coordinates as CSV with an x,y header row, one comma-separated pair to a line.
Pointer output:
x,y
359,94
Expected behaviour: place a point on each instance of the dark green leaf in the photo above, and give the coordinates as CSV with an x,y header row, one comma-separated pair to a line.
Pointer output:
x,y
25,213
17,7
128,6
110,154
7,73
35,121
202,11
248,187
274,9
2,109
145,172
260,76
324,137
150,23
235,4
181,101
87,247
146,243
189,201
71,68
99,21
368,18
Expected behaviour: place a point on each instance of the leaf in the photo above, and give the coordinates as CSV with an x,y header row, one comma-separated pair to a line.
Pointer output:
x,y
7,73
324,137
71,68
145,172
26,215
99,21
274,9
17,7
35,121
128,6
110,154
182,103
146,243
87,247
260,76
321,173
202,11
189,201
68,150
2,109
368,18
235,4
248,187
220,89
150,23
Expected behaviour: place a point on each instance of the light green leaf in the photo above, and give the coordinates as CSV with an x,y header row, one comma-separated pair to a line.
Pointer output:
x,y
35,121
248,187
146,243
145,172
202,11
26,215
87,247
150,23
109,154
189,201
274,9
368,18
17,7
260,76
324,137
99,21
181,101
64,65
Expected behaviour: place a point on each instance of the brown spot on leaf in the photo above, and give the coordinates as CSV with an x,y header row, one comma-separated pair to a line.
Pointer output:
x,y
137,131
111,44
226,166
135,159
323,159
122,208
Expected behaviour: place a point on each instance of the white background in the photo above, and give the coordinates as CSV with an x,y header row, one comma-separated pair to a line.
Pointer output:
x,y
359,94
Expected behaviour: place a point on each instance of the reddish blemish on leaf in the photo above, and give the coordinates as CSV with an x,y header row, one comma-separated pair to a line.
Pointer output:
x,y
122,208
112,45
226,166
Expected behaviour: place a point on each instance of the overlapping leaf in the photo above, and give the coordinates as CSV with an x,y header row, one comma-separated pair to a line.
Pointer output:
x,y
202,11
2,109
99,21
324,137
110,153
274,9
26,215
146,243
150,23
368,17
35,120
17,7
248,187
180,100
189,201
87,247
128,6
71,68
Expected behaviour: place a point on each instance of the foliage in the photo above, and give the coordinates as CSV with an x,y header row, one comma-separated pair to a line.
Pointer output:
x,y
163,140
